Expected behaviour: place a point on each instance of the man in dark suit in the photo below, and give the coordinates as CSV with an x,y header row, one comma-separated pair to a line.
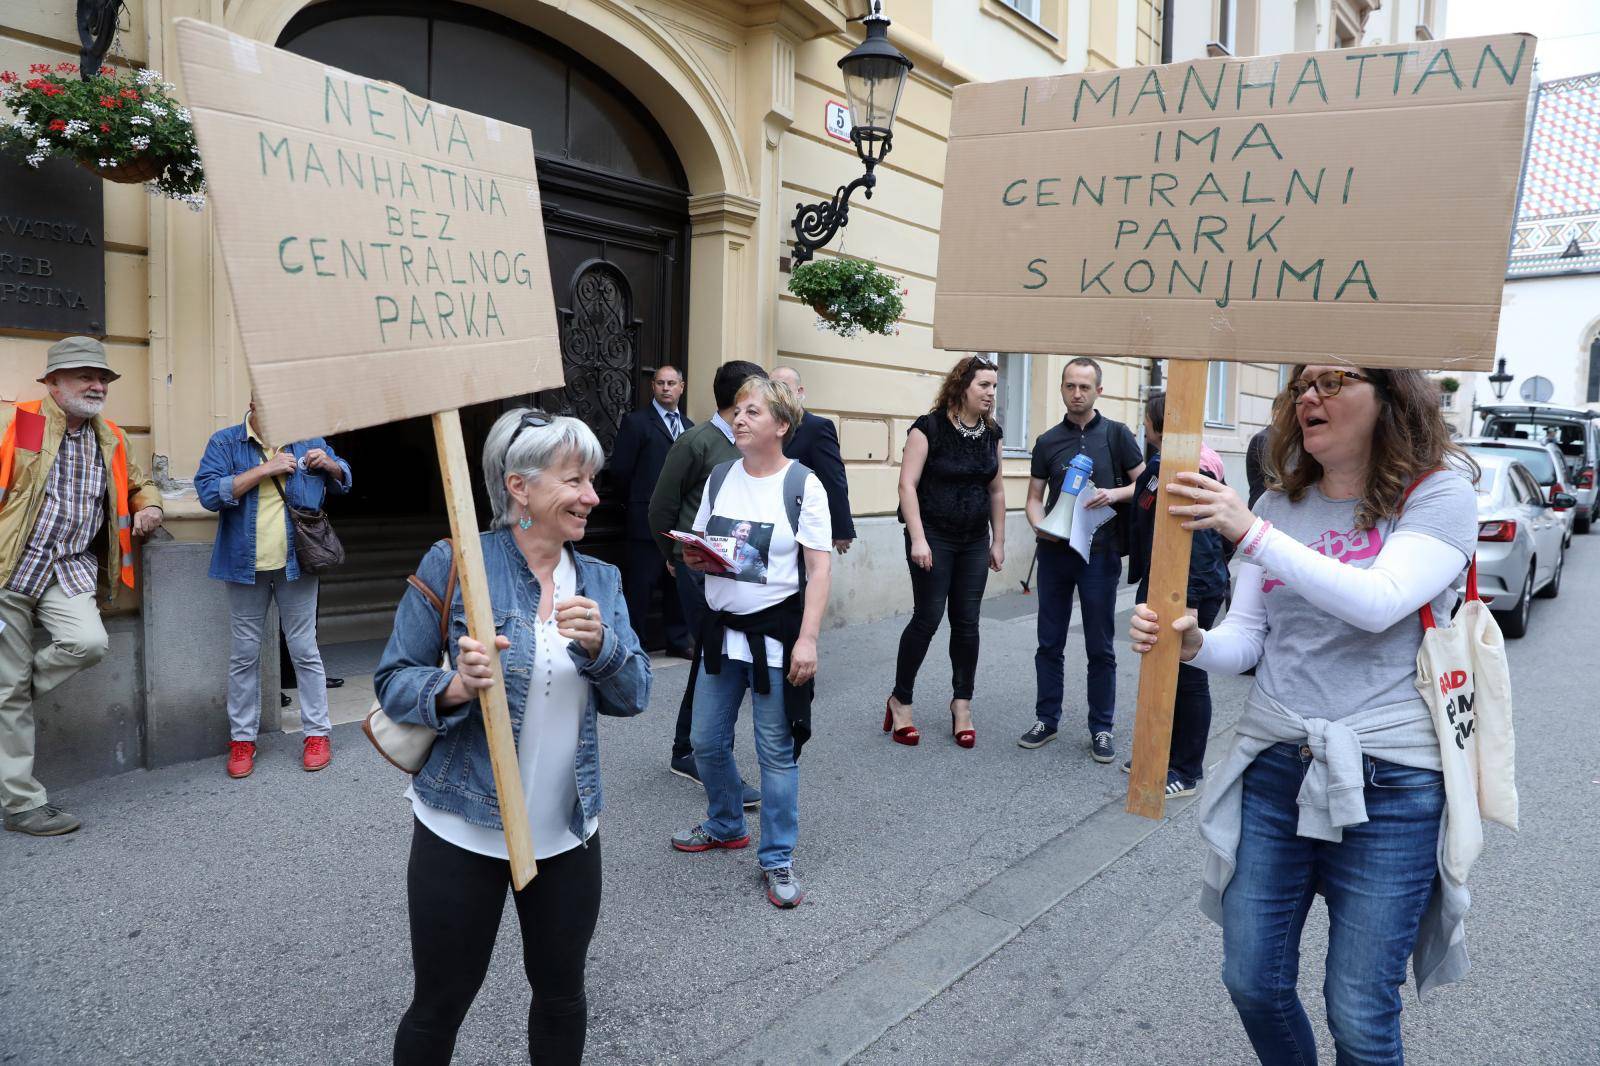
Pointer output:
x,y
816,444
642,445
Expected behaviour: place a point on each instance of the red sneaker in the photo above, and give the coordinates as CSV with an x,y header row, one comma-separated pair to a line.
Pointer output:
x,y
241,757
317,754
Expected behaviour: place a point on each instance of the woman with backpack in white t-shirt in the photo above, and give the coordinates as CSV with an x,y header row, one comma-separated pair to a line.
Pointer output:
x,y
1333,782
766,593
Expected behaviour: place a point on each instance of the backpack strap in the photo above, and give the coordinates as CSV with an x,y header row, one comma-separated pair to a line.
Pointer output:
x,y
441,606
719,474
794,492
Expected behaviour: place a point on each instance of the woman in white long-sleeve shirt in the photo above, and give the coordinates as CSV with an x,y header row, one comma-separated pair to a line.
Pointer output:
x,y
1332,786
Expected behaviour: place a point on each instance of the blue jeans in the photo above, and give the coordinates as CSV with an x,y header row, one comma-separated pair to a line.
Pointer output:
x,y
1377,882
716,708
1062,570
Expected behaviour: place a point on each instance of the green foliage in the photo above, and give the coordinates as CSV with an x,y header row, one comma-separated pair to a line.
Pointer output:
x,y
1449,384
104,122
849,296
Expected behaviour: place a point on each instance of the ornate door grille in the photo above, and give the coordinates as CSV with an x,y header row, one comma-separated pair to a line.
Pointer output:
x,y
599,346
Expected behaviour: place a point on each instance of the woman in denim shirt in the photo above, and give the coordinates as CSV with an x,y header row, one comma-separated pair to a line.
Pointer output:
x,y
568,652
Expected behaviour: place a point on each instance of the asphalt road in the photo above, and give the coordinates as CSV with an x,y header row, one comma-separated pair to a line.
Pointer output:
x,y
975,906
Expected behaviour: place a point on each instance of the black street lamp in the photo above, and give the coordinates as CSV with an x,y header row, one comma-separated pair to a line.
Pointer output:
x,y
874,76
1500,381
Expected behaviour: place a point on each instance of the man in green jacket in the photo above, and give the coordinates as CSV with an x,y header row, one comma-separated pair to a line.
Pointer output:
x,y
673,506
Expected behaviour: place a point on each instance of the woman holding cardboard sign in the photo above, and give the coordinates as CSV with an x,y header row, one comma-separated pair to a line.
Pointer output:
x,y
1333,785
568,652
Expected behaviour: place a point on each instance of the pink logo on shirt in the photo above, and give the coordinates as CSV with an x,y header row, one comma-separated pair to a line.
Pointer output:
x,y
1347,547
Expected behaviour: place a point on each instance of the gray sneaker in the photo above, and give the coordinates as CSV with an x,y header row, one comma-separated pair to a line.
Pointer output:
x,y
783,887
46,821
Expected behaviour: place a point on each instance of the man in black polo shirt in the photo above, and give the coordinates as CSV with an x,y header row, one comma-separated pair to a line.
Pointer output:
x,y
1118,463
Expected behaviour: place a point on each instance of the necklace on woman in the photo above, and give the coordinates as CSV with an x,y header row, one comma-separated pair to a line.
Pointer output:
x,y
970,432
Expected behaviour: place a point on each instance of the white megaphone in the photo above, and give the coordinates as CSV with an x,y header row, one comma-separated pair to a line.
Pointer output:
x,y
1058,520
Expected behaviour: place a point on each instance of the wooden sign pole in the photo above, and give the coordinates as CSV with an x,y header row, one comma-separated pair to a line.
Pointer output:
x,y
480,624
1169,591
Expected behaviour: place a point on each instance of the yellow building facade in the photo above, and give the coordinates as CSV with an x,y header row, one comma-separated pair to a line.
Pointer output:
x,y
675,139
738,91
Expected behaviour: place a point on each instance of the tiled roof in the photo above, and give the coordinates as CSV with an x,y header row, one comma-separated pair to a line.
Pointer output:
x,y
1560,182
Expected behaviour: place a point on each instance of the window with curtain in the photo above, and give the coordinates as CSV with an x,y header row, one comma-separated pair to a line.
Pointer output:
x,y
1219,380
1028,8
1013,397
1011,403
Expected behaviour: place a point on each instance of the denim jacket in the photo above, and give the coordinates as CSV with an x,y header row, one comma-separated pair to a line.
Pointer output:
x,y
457,776
231,452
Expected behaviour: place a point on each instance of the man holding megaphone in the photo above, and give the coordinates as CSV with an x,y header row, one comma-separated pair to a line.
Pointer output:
x,y
1102,458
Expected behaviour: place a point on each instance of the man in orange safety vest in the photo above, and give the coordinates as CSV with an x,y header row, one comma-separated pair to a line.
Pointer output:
x,y
65,476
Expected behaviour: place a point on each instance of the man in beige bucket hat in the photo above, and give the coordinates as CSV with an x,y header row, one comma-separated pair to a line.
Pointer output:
x,y
71,501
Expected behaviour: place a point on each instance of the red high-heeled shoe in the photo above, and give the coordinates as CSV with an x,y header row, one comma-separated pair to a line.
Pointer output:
x,y
966,738
906,734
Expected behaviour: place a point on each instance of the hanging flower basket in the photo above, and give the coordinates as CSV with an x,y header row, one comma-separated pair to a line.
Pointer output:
x,y
849,296
144,168
127,129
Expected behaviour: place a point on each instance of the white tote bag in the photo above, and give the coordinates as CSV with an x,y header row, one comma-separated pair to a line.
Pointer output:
x,y
1463,676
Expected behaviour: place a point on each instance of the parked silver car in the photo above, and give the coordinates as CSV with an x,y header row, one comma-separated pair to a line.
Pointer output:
x,y
1543,460
1521,541
1575,432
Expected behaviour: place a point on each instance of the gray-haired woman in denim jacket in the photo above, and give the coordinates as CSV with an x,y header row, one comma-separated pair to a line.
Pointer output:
x,y
568,652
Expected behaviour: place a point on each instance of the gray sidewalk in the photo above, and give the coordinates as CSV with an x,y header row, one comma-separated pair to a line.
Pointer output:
x,y
199,919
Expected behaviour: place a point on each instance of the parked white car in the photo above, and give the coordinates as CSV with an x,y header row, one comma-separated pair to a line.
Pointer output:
x,y
1575,432
1543,460
1521,542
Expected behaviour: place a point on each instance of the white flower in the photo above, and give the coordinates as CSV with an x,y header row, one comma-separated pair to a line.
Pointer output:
x,y
35,159
107,163
140,143
183,114
22,115
139,120
76,127
148,76
43,142
155,109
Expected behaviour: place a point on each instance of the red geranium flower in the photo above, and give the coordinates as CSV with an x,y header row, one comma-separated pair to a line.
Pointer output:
x,y
9,77
67,68
38,68
129,94
51,90
58,124
36,83
108,71
110,101
105,127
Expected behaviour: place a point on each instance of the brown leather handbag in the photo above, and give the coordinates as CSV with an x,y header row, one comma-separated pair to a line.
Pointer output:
x,y
316,545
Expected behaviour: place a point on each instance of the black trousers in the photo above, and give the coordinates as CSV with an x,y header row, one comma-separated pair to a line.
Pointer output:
x,y
953,586
1191,713
692,598
455,899
647,572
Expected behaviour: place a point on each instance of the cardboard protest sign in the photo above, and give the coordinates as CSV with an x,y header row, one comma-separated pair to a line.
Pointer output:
x,y
1351,206
386,252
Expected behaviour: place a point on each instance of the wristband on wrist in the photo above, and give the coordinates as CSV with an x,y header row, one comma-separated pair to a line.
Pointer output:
x,y
1255,537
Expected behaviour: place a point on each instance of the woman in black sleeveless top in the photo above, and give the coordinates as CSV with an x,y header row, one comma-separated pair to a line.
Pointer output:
x,y
951,499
